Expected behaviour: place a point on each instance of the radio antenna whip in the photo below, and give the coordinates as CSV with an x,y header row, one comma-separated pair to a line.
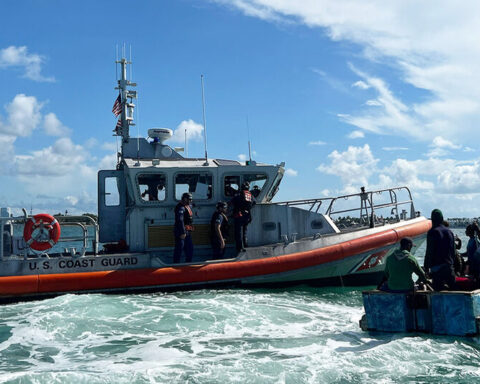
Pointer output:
x,y
249,143
204,121
186,149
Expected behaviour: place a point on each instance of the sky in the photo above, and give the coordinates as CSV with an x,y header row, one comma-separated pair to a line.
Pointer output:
x,y
346,93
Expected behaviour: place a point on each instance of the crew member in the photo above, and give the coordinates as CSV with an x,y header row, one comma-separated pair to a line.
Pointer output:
x,y
399,268
219,230
440,253
255,191
242,204
229,190
152,191
183,229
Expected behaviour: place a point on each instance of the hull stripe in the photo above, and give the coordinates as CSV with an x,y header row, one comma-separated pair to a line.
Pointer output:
x,y
130,278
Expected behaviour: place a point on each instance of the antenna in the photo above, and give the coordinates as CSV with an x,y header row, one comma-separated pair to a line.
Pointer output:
x,y
116,62
204,121
138,129
186,149
249,144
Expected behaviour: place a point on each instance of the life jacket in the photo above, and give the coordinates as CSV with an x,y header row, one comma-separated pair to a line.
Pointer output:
x,y
223,226
242,203
187,216
247,195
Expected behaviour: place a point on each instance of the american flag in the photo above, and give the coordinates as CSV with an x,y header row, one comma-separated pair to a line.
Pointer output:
x,y
119,124
117,106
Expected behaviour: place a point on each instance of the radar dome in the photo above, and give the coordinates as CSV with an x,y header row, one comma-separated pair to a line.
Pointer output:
x,y
161,134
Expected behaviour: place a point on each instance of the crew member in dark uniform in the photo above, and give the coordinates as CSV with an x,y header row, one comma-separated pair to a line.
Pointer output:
x,y
440,253
183,229
219,230
242,204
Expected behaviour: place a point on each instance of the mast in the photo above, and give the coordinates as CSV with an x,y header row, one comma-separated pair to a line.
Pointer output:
x,y
127,96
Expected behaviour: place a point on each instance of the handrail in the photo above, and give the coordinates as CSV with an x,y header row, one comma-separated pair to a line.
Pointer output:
x,y
79,221
367,206
76,221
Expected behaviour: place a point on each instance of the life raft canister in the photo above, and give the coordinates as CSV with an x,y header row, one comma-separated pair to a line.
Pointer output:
x,y
48,234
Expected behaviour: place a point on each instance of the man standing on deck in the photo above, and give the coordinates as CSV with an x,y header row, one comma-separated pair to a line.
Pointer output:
x,y
440,253
183,229
219,230
242,204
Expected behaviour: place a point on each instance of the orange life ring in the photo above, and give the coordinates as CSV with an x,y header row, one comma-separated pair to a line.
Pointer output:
x,y
46,224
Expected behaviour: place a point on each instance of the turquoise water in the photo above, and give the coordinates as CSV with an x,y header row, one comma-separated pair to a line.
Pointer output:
x,y
295,335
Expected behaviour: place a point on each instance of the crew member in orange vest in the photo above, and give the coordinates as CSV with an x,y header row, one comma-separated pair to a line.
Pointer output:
x,y
183,229
242,204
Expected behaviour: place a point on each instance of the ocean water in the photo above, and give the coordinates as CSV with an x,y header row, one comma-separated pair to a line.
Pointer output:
x,y
294,335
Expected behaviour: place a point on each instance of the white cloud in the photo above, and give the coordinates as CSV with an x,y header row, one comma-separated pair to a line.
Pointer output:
x,y
291,172
242,157
331,81
91,143
23,116
7,152
403,172
440,147
429,46
354,166
54,127
63,157
109,146
18,57
318,142
74,204
395,149
360,84
194,131
59,177
373,103
255,10
460,179
437,152
356,135
389,115
440,142
108,162
73,200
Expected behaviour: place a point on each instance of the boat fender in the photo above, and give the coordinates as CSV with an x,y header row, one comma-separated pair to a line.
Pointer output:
x,y
46,224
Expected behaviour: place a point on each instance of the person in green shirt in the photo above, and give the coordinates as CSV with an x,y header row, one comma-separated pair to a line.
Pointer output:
x,y
400,266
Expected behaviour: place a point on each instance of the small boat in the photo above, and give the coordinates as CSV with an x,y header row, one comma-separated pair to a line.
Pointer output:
x,y
453,313
321,241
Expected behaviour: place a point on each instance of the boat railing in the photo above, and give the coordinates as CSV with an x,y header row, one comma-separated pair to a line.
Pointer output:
x,y
366,211
83,222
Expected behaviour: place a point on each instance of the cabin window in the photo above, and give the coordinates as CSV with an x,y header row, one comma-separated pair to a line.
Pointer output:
x,y
257,181
316,224
231,185
199,185
152,186
112,194
274,189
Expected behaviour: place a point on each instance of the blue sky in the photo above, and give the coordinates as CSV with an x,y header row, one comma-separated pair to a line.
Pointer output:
x,y
347,93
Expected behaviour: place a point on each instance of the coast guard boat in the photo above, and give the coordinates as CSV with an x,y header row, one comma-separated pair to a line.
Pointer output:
x,y
322,241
